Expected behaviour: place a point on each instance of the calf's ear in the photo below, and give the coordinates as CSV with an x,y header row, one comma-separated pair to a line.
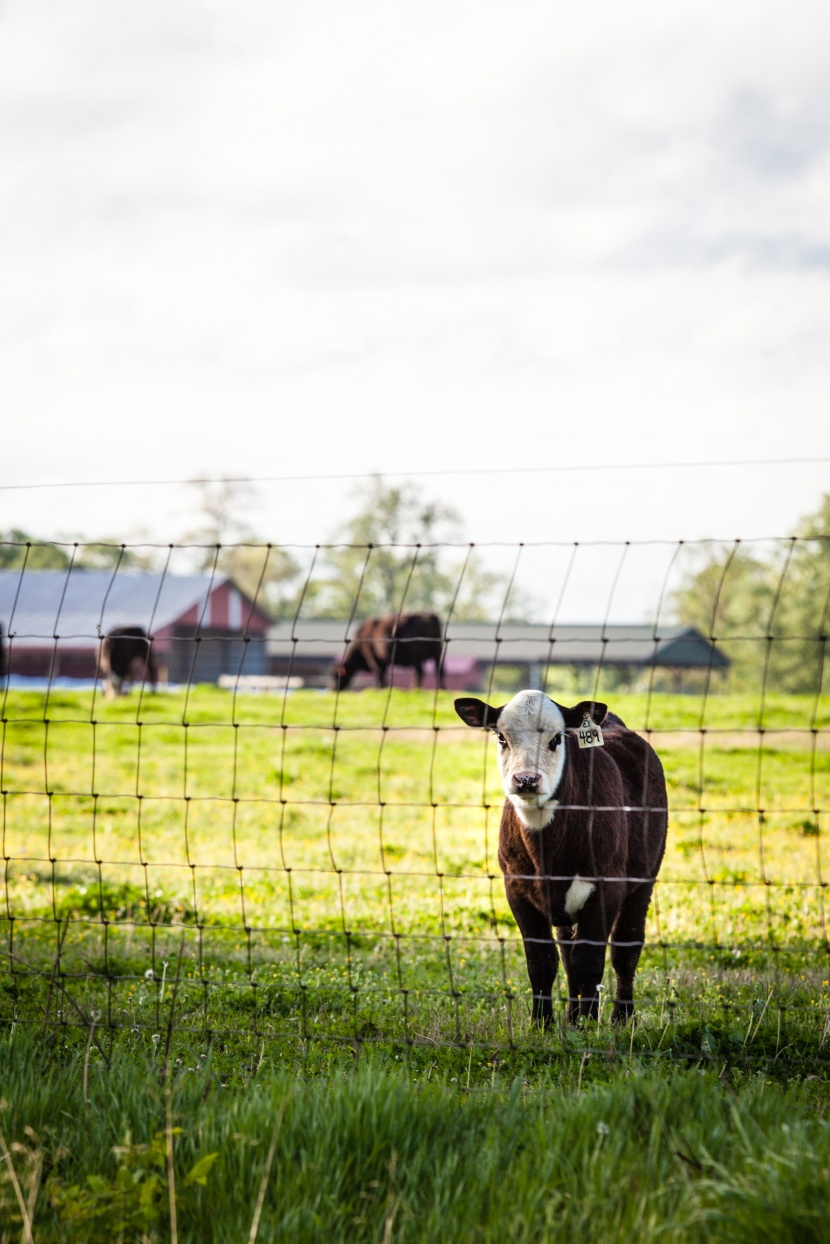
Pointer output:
x,y
476,713
575,716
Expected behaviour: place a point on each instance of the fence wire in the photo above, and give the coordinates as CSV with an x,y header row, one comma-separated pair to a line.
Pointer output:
x,y
242,854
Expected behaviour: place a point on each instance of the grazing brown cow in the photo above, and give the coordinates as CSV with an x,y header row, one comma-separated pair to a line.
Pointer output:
x,y
408,639
126,656
582,837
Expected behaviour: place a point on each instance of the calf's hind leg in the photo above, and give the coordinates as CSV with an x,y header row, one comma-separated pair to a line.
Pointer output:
x,y
627,938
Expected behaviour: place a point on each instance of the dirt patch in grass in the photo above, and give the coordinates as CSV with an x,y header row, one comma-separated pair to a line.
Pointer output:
x,y
739,740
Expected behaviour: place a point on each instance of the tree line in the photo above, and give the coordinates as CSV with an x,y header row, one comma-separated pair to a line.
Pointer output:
x,y
766,607
346,577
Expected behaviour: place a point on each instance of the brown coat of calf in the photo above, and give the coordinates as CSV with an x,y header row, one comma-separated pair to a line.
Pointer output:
x,y
123,651
590,870
407,639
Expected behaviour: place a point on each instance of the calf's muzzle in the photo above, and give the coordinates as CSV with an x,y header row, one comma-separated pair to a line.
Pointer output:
x,y
526,783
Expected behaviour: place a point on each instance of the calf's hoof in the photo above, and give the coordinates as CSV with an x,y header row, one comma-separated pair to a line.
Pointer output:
x,y
582,1008
542,1011
622,1012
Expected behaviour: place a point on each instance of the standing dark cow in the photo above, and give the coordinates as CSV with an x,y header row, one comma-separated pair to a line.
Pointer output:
x,y
582,836
408,639
126,656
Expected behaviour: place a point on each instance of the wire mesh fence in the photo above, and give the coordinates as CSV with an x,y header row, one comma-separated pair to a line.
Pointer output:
x,y
241,854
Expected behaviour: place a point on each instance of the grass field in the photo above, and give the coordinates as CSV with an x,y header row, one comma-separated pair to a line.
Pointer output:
x,y
248,901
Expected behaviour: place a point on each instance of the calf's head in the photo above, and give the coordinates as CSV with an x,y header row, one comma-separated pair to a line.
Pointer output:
x,y
531,731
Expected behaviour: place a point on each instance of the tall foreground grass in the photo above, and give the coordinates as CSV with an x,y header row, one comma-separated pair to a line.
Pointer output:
x,y
373,1155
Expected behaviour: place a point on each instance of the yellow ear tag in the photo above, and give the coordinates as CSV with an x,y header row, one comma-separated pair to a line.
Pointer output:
x,y
589,733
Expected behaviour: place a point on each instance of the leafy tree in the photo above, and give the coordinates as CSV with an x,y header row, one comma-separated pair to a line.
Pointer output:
x,y
770,615
393,555
225,540
19,548
801,621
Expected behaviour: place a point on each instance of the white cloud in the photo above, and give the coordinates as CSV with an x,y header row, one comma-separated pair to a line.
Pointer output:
x,y
269,239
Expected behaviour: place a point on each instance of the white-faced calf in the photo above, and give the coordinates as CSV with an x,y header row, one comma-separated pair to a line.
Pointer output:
x,y
582,837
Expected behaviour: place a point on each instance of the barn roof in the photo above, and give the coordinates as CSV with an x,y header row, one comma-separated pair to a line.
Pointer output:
x,y
521,643
40,606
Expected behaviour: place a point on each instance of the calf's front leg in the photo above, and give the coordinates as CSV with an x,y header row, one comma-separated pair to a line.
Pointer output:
x,y
586,963
540,952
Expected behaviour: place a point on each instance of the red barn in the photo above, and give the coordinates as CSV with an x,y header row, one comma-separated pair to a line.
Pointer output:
x,y
202,626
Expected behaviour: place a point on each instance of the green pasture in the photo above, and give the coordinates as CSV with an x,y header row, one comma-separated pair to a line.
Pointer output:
x,y
314,867
231,924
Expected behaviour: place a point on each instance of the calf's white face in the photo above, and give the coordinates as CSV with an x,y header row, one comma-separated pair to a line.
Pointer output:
x,y
531,735
530,731
531,739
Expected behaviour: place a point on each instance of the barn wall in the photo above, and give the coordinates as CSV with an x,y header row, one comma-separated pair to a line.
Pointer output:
x,y
213,652
45,662
217,652
227,610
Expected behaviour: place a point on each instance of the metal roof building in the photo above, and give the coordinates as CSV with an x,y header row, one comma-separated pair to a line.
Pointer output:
x,y
307,648
202,625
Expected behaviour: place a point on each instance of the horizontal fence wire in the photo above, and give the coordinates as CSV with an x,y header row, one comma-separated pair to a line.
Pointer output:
x,y
230,815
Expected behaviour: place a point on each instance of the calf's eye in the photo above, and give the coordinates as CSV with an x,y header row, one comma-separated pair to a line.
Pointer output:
x,y
555,741
502,740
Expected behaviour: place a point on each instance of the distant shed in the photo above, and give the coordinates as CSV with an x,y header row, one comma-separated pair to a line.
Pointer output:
x,y
629,647
202,626
306,648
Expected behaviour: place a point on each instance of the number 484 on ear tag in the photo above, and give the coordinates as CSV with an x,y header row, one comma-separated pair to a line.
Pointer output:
x,y
589,733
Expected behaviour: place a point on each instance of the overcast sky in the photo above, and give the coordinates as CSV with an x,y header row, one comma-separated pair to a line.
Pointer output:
x,y
294,238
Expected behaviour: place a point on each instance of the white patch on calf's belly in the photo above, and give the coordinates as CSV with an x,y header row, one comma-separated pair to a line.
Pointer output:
x,y
578,894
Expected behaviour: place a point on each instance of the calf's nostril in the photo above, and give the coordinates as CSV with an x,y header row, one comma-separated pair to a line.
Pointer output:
x,y
526,781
